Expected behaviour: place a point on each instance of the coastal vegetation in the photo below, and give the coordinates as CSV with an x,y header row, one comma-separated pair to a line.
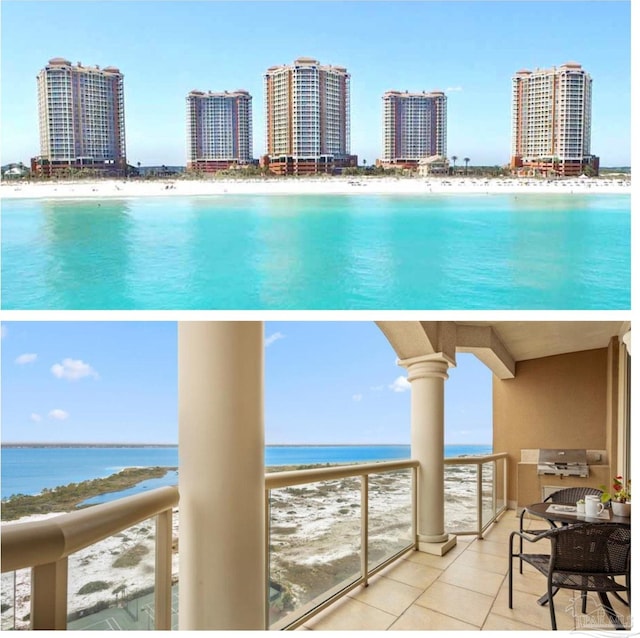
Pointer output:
x,y
69,497
66,498
93,586
18,172
132,556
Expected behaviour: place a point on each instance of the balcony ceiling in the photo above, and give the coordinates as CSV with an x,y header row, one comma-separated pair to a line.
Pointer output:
x,y
499,344
535,339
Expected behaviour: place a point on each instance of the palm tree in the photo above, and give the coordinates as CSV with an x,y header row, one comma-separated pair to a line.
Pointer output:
x,y
466,164
453,159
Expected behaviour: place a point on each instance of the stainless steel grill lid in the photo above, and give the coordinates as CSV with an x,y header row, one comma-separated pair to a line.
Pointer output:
x,y
566,462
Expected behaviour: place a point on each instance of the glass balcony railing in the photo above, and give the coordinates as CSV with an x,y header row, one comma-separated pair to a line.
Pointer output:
x,y
135,534
314,543
390,515
15,594
475,492
126,599
330,529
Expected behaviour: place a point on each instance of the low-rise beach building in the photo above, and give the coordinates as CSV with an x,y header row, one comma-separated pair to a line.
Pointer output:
x,y
433,165
307,118
81,115
414,127
551,122
219,130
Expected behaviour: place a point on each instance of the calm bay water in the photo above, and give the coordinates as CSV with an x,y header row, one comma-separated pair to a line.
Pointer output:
x,y
27,470
318,252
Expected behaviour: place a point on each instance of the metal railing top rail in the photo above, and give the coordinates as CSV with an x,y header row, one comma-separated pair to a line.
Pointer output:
x,y
275,480
474,460
47,541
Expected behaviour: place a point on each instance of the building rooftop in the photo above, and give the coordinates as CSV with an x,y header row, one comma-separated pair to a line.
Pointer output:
x,y
413,93
432,159
65,62
305,61
237,92
567,65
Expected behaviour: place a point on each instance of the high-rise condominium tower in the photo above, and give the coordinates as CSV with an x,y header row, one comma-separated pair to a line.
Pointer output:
x,y
307,117
415,127
552,121
219,133
81,112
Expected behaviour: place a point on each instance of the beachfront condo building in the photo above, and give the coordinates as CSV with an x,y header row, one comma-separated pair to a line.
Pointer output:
x,y
414,127
307,118
219,130
551,122
81,113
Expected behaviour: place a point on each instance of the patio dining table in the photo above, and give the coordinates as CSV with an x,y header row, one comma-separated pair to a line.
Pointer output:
x,y
567,514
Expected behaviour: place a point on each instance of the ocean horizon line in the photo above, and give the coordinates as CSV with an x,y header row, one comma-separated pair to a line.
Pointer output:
x,y
29,468
10,444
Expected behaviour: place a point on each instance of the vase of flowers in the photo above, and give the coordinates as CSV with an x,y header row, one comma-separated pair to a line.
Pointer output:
x,y
620,496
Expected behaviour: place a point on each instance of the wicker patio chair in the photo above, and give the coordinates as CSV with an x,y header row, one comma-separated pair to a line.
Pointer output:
x,y
567,496
585,557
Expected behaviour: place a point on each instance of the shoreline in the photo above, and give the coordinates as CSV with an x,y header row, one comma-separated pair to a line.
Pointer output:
x,y
123,189
70,497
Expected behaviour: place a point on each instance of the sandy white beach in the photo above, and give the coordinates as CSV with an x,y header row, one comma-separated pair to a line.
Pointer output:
x,y
308,186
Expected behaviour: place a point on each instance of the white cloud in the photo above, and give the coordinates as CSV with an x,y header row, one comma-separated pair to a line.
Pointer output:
x,y
273,338
73,369
453,89
357,397
58,414
29,357
400,385
36,418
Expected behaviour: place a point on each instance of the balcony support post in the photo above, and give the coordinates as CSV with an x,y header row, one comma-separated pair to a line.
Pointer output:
x,y
494,490
364,529
162,592
479,482
222,502
427,375
49,595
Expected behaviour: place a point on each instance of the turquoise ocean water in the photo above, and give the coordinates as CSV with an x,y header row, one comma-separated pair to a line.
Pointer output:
x,y
318,252
27,470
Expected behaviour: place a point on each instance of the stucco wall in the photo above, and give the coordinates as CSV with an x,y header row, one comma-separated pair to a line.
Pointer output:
x,y
553,402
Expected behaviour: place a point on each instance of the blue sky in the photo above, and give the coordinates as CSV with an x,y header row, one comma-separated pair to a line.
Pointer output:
x,y
469,49
326,382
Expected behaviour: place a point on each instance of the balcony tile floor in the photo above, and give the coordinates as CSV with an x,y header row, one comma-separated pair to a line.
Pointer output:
x,y
467,589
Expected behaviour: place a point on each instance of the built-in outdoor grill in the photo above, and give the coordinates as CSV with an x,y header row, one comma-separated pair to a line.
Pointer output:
x,y
563,463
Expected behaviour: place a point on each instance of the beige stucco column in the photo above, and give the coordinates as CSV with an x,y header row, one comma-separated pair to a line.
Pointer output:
x,y
221,475
427,375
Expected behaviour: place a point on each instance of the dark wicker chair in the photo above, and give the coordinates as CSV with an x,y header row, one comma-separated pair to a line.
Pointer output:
x,y
568,496
586,557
